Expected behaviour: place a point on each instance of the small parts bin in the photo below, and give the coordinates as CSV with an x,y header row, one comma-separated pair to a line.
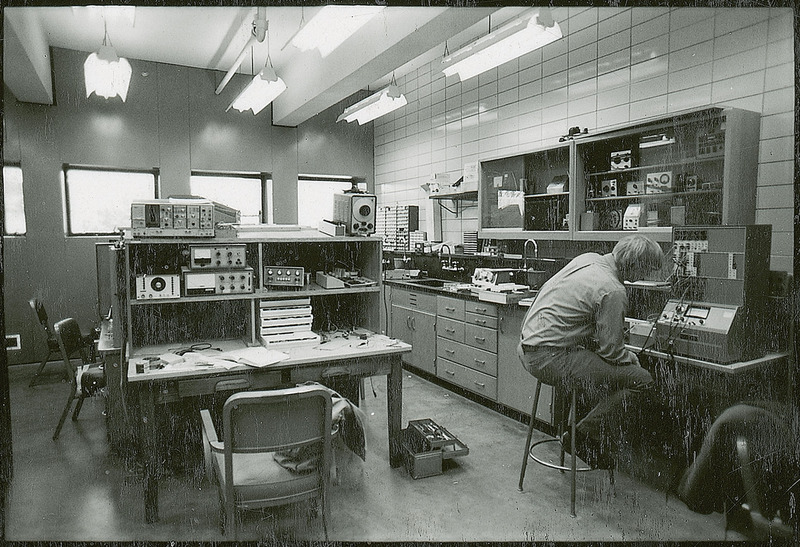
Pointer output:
x,y
426,444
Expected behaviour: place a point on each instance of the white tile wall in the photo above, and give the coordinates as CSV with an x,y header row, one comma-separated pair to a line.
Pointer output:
x,y
614,65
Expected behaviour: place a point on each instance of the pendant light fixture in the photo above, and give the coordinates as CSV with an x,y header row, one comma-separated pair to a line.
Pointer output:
x,y
262,89
375,106
105,73
331,26
533,29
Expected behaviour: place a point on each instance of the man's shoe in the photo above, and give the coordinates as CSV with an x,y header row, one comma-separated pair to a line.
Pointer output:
x,y
588,450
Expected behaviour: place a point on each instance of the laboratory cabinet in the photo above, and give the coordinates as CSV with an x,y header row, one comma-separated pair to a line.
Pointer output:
x,y
516,387
697,167
413,320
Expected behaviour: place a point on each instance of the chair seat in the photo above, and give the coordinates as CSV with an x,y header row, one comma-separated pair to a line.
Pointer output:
x,y
257,477
92,379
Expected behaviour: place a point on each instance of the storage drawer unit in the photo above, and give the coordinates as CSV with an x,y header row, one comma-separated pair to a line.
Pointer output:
x,y
415,300
467,378
448,328
481,308
452,308
462,354
481,320
481,337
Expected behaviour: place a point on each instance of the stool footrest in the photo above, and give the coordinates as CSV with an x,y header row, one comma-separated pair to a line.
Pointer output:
x,y
552,465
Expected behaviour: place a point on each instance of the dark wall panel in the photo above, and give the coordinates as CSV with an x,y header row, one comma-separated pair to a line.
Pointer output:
x,y
172,120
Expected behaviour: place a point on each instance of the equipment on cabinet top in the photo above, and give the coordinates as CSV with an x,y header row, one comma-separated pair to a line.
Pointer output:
x,y
179,217
199,283
216,257
703,330
284,276
356,212
499,279
158,286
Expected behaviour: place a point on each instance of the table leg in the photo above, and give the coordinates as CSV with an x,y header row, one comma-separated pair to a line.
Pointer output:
x,y
394,402
148,440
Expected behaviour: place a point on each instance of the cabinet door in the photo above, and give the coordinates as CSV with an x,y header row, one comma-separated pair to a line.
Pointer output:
x,y
423,352
515,385
401,329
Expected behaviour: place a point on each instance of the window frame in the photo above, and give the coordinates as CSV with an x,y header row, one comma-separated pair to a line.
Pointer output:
x,y
267,204
17,165
64,188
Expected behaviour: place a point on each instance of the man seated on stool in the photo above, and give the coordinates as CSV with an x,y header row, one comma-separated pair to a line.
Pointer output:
x,y
573,337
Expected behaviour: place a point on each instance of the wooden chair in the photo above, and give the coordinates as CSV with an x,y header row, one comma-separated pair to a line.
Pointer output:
x,y
256,426
85,381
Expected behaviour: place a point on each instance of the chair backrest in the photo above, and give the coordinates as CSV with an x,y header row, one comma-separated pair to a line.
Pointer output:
x,y
41,315
268,421
70,340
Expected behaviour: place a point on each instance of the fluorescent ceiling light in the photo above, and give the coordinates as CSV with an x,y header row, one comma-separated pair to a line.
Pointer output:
x,y
106,74
331,26
374,106
532,30
262,90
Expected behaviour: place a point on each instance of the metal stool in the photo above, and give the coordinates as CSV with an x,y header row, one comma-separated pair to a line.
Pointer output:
x,y
573,468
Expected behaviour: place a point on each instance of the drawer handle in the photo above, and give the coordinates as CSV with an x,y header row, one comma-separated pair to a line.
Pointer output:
x,y
451,331
480,362
450,372
224,385
480,339
480,309
448,308
479,384
450,351
480,321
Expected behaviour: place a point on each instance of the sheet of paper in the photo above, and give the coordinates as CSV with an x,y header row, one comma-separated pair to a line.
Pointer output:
x,y
256,356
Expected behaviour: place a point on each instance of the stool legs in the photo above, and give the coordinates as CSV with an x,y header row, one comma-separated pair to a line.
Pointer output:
x,y
574,464
530,434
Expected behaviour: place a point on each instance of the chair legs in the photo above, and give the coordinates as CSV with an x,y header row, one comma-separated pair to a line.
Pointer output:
x,y
39,370
63,416
78,406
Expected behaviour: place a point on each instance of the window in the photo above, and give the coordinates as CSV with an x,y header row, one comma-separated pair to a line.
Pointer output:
x,y
13,201
98,201
250,194
315,197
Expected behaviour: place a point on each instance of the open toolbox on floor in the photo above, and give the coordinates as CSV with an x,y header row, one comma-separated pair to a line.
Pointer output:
x,y
426,444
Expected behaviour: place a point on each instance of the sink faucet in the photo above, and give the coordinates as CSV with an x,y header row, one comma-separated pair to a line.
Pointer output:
x,y
449,256
525,252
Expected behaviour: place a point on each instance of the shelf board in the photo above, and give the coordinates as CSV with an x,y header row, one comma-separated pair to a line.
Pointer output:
x,y
519,233
657,196
545,196
313,290
660,167
459,196
661,233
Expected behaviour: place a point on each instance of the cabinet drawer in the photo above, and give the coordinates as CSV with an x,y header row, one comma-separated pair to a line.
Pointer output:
x,y
481,320
481,308
229,382
481,337
448,328
467,378
462,354
415,300
452,308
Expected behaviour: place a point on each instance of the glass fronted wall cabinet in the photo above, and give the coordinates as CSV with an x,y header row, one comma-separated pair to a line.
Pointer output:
x,y
527,193
692,168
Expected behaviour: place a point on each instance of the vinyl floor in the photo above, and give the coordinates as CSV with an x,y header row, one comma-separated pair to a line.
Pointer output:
x,y
78,489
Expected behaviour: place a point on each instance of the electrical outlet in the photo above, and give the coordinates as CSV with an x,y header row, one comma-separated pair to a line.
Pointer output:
x,y
13,342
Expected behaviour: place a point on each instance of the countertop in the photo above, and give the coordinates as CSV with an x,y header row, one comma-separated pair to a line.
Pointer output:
x,y
517,299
